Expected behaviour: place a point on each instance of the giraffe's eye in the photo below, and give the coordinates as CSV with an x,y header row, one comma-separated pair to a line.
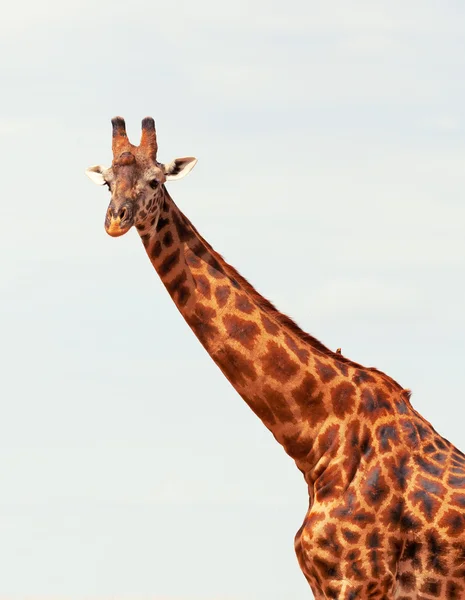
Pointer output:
x,y
153,183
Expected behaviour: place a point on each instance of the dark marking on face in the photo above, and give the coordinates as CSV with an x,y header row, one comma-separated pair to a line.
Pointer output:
x,y
241,330
269,326
203,285
156,250
169,263
142,214
222,293
301,353
243,304
309,398
325,371
277,363
342,398
238,369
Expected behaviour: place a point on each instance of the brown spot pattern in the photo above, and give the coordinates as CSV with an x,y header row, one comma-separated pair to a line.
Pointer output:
x,y
235,366
279,405
343,398
388,492
325,371
309,398
301,353
169,263
201,323
222,293
203,285
241,330
277,363
243,304
269,326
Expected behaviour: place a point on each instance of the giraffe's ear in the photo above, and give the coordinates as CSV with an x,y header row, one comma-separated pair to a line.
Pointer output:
x,y
95,173
179,167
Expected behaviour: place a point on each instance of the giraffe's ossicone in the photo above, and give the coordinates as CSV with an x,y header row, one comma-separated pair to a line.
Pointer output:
x,y
386,515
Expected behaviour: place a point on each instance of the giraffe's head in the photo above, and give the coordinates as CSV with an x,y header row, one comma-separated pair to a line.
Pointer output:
x,y
136,179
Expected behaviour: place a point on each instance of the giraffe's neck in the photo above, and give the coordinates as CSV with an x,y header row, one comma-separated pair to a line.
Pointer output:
x,y
295,385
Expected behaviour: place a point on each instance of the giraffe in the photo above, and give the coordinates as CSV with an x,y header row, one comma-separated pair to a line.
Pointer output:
x,y
386,516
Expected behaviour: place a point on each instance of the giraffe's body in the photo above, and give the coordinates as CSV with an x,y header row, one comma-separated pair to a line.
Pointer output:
x,y
386,514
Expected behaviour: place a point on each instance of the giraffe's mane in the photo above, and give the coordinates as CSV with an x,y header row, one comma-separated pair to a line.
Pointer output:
x,y
273,313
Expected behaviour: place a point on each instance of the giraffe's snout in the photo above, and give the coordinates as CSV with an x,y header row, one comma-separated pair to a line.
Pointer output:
x,y
119,218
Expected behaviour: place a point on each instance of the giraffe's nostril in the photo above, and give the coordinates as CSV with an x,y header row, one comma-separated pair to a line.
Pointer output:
x,y
122,214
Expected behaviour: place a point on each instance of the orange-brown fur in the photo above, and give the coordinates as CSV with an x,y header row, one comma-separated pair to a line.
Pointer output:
x,y
386,515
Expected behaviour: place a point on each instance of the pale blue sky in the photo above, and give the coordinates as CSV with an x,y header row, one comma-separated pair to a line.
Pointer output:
x,y
331,146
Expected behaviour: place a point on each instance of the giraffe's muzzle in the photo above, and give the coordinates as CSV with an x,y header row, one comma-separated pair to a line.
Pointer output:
x,y
119,221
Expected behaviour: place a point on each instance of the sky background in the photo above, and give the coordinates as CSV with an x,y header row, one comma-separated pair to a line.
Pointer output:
x,y
331,147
